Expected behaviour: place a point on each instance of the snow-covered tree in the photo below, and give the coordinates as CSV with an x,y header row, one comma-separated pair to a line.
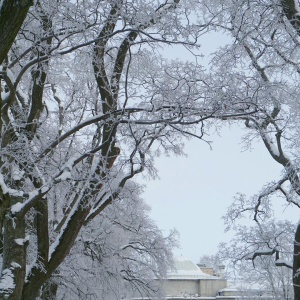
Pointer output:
x,y
260,64
121,254
88,99
214,262
259,258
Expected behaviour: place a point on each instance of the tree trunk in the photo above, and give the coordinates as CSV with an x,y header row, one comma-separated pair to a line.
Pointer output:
x,y
291,12
12,16
39,277
296,265
49,291
14,257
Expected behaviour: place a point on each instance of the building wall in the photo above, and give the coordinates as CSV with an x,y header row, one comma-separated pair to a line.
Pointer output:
x,y
177,287
211,287
201,288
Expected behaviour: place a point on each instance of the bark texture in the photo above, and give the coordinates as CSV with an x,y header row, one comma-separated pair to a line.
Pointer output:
x,y
296,265
12,16
14,254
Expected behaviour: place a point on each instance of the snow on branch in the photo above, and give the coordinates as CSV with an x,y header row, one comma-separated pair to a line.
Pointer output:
x,y
32,198
270,252
283,263
6,190
263,252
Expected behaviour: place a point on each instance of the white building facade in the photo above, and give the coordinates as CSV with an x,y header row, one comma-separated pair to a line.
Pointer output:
x,y
187,280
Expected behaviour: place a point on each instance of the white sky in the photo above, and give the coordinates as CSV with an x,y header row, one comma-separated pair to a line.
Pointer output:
x,y
193,192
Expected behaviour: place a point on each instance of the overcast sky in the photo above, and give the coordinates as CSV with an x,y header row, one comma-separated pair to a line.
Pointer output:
x,y
194,192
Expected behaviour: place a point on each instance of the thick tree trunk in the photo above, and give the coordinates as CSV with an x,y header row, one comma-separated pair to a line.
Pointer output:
x,y
39,277
14,257
49,291
12,16
296,265
291,12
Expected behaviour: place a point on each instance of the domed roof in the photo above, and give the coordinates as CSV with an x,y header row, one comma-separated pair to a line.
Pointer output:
x,y
186,269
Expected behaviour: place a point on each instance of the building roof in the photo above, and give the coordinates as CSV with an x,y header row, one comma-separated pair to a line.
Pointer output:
x,y
186,269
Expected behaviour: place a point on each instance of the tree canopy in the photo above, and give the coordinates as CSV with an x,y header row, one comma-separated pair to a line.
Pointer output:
x,y
87,101
262,63
89,97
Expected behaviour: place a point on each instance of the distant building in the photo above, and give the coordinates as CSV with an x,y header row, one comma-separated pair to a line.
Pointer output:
x,y
188,280
199,282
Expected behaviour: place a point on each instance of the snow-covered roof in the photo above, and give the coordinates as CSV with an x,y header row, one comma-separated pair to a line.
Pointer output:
x,y
186,269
